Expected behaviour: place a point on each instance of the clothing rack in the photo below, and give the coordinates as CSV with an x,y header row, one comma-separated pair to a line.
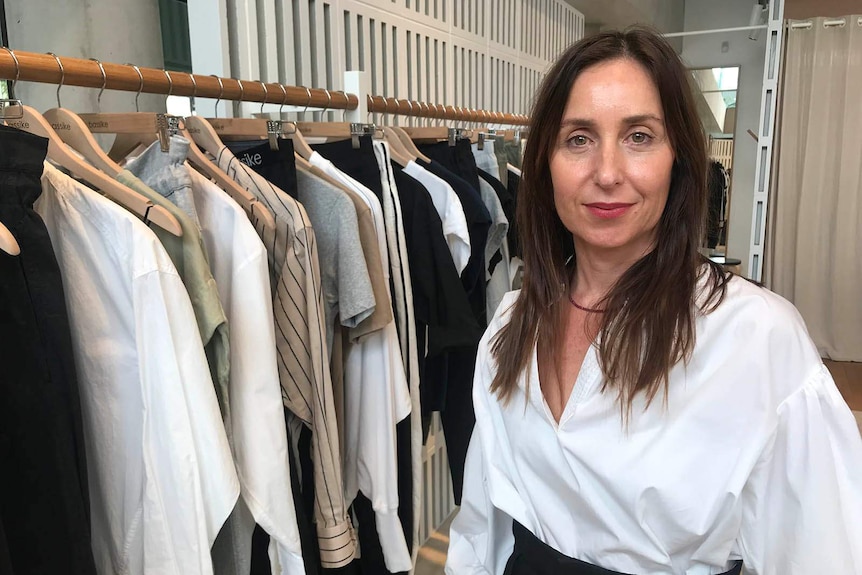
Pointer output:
x,y
67,71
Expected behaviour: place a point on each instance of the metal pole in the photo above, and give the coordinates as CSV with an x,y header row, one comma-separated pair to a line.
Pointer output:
x,y
715,31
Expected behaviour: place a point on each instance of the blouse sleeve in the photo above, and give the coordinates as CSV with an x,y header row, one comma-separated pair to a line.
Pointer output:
x,y
803,503
481,539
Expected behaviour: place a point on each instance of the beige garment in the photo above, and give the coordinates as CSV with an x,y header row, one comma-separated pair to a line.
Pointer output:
x,y
300,339
815,226
368,236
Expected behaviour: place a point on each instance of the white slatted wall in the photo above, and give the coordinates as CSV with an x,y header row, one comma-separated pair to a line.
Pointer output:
x,y
482,54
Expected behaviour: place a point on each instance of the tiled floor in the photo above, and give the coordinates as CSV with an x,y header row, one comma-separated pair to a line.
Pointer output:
x,y
848,378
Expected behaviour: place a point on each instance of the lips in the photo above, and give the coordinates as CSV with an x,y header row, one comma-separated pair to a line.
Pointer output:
x,y
608,210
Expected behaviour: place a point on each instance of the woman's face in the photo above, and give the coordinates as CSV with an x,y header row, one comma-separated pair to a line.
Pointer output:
x,y
611,163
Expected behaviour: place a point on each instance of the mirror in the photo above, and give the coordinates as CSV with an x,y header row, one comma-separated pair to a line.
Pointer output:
x,y
716,104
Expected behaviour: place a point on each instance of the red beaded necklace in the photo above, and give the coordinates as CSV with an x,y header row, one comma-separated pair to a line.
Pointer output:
x,y
583,308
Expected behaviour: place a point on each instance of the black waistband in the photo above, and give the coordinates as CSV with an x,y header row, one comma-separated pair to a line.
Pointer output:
x,y
534,557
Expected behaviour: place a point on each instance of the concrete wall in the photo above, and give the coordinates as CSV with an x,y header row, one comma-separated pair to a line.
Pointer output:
x,y
705,51
113,31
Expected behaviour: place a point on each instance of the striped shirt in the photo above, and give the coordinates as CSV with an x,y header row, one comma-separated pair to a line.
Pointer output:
x,y
302,359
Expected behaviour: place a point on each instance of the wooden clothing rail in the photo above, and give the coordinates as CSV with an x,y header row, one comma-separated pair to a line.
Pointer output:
x,y
66,71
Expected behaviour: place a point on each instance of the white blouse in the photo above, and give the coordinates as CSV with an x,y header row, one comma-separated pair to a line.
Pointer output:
x,y
755,456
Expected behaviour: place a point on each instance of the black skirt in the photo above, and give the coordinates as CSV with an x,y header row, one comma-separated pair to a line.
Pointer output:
x,y
533,557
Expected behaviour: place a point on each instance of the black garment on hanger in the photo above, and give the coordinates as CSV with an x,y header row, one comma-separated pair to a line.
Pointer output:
x,y
439,299
358,163
452,374
44,498
277,166
716,181
513,183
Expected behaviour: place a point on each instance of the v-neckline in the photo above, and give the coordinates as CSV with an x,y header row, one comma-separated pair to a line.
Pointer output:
x,y
585,384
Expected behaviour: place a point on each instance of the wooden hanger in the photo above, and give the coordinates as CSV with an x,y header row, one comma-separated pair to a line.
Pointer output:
x,y
74,132
8,243
330,131
58,152
303,164
396,149
203,164
408,144
33,122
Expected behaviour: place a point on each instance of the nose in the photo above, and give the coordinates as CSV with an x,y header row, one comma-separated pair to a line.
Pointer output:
x,y
609,172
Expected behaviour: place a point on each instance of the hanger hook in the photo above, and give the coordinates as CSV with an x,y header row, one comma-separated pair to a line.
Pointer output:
x,y
328,102
410,108
170,85
385,108
194,92
17,70
265,94
220,92
308,101
104,80
283,98
241,95
62,77
140,86
346,103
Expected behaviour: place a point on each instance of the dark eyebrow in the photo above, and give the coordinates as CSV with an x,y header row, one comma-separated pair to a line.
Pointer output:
x,y
630,120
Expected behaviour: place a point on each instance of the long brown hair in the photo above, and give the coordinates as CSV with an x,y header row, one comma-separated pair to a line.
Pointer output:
x,y
649,322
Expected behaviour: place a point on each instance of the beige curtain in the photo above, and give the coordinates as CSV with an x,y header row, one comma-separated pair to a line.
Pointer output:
x,y
814,242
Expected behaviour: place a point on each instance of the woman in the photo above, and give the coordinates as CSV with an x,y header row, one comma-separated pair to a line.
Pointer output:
x,y
638,410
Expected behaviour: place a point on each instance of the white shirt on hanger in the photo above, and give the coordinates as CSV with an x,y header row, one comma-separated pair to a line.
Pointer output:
x,y
450,210
162,479
376,398
755,456
238,261
408,334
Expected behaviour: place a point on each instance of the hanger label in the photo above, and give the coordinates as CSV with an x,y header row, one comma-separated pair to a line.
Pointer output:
x,y
61,126
20,125
251,160
97,125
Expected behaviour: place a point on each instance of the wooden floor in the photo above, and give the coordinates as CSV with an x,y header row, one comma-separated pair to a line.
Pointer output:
x,y
848,378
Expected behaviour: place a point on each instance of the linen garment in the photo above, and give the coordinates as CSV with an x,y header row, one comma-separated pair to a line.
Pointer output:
x,y
755,456
162,178
162,479
44,497
238,262
301,342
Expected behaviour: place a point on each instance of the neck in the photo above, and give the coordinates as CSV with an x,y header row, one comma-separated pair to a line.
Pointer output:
x,y
597,271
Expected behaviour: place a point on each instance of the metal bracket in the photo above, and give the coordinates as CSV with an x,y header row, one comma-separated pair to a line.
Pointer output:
x,y
357,130
273,129
11,109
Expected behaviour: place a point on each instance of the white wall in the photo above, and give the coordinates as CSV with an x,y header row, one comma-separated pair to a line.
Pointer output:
x,y
705,52
120,32
483,54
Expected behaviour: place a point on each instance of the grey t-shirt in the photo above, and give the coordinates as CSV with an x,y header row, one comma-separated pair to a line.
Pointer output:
x,y
344,275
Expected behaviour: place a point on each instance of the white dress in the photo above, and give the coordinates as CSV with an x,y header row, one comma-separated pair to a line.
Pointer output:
x,y
755,456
